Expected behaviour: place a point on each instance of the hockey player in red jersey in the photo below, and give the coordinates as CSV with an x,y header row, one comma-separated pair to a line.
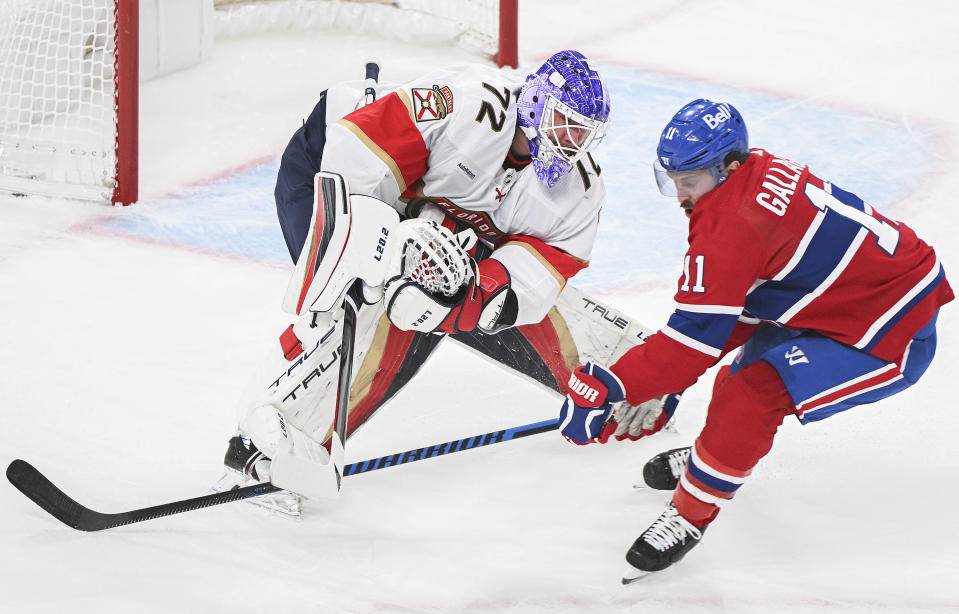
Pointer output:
x,y
498,191
833,306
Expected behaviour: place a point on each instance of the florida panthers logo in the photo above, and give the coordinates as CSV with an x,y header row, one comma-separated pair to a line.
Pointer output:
x,y
432,104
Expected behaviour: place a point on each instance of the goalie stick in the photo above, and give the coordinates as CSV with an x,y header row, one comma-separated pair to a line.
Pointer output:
x,y
28,480
343,387
372,77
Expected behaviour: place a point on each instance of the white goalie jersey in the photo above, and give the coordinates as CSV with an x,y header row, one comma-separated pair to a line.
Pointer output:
x,y
438,148
445,139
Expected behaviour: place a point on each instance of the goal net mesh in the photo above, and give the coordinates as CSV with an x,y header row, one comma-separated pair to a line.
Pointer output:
x,y
58,74
471,24
57,120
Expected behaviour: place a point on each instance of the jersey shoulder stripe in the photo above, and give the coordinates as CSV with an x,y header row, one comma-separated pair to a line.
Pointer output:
x,y
387,129
561,265
711,330
832,271
719,309
910,299
691,343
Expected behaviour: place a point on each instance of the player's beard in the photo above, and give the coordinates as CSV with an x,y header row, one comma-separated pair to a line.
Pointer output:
x,y
687,206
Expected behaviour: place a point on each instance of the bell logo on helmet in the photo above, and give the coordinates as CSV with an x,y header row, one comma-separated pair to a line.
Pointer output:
x,y
699,136
722,115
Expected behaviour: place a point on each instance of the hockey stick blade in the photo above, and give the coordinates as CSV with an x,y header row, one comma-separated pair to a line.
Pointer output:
x,y
28,480
58,504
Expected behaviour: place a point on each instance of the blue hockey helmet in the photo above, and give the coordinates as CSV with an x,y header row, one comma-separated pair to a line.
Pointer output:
x,y
699,136
563,111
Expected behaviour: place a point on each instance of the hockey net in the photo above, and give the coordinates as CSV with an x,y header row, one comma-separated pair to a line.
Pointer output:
x,y
484,26
69,75
61,104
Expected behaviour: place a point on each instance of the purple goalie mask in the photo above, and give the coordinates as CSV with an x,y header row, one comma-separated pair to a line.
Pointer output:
x,y
563,111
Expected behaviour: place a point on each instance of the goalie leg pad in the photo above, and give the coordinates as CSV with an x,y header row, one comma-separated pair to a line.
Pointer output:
x,y
298,463
298,376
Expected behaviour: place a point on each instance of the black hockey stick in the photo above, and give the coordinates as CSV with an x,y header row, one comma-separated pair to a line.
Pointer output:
x,y
58,504
344,377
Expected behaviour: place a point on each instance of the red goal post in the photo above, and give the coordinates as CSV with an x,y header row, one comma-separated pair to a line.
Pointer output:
x,y
507,52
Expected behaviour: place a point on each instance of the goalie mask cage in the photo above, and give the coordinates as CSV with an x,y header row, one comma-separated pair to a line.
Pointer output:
x,y
68,98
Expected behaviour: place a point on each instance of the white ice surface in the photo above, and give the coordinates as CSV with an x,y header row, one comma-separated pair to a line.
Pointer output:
x,y
121,358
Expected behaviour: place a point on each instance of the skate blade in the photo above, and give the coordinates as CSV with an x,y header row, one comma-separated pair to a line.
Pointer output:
x,y
632,574
282,503
647,488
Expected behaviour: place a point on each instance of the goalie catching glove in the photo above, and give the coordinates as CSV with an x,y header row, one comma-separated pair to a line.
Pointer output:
x,y
434,285
587,415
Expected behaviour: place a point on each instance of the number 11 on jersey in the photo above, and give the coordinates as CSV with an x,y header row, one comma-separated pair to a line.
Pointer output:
x,y
698,268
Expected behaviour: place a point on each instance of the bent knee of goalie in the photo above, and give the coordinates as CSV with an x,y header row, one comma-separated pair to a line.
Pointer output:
x,y
298,463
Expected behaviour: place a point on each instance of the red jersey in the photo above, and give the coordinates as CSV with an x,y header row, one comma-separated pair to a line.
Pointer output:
x,y
775,243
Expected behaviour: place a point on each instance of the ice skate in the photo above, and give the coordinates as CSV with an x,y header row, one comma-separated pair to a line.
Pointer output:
x,y
244,466
665,542
662,472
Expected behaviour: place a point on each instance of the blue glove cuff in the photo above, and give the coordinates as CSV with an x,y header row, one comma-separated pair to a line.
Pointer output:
x,y
581,424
